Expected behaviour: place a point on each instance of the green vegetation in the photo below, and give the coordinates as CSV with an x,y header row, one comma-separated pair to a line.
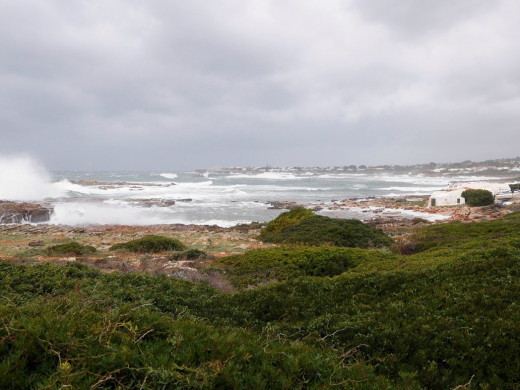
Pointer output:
x,y
439,318
465,236
150,244
70,249
64,327
190,254
478,197
302,226
286,219
278,264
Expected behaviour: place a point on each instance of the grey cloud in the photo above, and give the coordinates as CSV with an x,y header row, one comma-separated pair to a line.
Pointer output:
x,y
414,19
143,85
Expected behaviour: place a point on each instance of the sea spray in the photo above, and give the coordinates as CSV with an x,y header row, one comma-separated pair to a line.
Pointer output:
x,y
22,178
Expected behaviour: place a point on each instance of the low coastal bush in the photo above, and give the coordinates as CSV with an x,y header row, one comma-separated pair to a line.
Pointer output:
x,y
190,254
150,244
478,197
278,264
286,219
70,249
453,235
302,226
89,337
438,319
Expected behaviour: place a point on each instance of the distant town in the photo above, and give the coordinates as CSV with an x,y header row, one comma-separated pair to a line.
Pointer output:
x,y
504,167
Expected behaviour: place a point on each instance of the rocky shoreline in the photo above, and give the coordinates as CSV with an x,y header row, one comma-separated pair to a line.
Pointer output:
x,y
386,213
24,235
24,212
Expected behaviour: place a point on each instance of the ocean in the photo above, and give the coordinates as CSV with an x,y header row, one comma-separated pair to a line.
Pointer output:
x,y
215,198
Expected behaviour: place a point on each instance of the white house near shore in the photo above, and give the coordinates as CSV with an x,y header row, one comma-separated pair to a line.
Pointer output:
x,y
447,198
453,197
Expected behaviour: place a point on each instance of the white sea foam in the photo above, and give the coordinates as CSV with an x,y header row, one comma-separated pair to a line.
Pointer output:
x,y
82,213
169,175
196,184
24,179
267,176
114,212
340,175
413,190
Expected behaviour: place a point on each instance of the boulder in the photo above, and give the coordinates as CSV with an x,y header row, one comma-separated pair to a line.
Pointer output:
x,y
20,212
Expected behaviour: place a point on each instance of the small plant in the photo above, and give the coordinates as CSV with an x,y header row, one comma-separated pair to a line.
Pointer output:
x,y
150,244
418,220
190,254
403,246
69,249
478,197
246,227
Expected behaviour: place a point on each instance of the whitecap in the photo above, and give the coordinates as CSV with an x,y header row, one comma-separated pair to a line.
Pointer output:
x,y
169,175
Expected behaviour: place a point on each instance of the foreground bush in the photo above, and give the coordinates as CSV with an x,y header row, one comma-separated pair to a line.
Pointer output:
x,y
478,197
438,319
301,226
150,244
85,339
277,264
70,249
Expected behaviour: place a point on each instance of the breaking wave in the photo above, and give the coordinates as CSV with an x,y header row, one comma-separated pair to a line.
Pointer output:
x,y
23,179
168,175
266,176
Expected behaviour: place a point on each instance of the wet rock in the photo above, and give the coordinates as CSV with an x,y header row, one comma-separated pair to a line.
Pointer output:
x,y
19,212
283,205
155,202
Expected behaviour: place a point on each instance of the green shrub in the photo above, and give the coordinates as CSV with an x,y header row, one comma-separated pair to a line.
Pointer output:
x,y
286,219
150,244
278,264
93,338
190,254
304,227
467,235
478,197
432,320
70,249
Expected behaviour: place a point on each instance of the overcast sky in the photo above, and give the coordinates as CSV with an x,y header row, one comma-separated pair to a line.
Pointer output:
x,y
166,84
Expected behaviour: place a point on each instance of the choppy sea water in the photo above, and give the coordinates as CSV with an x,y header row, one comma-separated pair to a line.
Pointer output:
x,y
223,199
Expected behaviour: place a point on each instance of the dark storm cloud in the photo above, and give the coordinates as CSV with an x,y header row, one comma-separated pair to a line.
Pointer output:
x,y
170,84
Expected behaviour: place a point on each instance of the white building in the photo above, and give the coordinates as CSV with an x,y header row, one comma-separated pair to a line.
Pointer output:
x,y
447,198
453,197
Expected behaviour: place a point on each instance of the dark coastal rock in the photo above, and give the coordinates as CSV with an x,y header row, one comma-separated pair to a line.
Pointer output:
x,y
155,202
20,212
283,205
